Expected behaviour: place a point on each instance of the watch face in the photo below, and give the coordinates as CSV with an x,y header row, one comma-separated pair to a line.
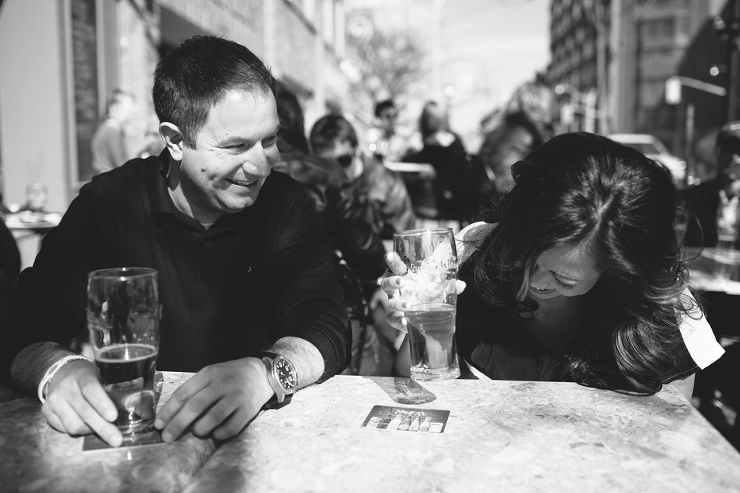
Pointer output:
x,y
285,374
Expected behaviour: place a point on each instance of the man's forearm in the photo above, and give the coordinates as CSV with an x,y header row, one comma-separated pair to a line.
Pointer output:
x,y
31,363
308,362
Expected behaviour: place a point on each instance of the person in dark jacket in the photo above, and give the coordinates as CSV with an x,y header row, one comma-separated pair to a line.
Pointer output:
x,y
489,176
334,137
358,256
445,151
347,219
714,220
244,264
380,189
715,203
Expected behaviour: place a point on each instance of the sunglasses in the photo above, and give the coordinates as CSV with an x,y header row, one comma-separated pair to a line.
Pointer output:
x,y
345,160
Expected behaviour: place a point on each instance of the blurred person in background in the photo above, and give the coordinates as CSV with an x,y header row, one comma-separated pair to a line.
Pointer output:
x,y
108,144
358,249
489,176
445,151
715,205
715,201
153,143
385,140
535,100
334,137
348,220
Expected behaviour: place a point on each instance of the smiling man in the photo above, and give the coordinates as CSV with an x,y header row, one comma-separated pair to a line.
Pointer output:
x,y
244,264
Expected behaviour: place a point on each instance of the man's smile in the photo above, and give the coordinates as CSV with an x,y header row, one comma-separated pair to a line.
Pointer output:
x,y
242,183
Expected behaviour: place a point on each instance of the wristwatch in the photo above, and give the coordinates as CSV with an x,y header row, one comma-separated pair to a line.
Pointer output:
x,y
281,374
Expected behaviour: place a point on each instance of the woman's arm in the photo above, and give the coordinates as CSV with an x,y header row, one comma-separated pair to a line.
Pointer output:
x,y
685,385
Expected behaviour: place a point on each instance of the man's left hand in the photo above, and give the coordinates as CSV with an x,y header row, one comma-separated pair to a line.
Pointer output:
x,y
220,399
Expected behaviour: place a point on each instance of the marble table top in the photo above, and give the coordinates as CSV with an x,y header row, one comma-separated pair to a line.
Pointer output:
x,y
506,436
500,436
36,458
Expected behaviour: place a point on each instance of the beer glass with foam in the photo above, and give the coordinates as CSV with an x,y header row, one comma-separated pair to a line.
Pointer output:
x,y
430,258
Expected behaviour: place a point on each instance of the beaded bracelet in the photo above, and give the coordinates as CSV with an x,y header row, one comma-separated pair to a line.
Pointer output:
x,y
53,369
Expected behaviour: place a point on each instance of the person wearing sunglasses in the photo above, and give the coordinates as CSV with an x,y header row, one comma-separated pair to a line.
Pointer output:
x,y
381,190
334,137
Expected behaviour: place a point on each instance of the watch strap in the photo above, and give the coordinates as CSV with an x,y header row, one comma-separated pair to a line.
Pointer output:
x,y
267,354
274,384
274,404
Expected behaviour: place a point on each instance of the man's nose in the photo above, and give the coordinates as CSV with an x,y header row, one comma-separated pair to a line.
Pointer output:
x,y
258,163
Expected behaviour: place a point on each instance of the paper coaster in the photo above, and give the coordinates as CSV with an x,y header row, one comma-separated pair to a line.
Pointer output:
x,y
403,419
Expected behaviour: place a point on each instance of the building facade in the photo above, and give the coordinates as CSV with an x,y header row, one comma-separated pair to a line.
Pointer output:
x,y
647,42
54,83
578,34
654,40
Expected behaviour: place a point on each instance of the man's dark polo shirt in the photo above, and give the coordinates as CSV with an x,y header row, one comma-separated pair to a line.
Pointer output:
x,y
226,292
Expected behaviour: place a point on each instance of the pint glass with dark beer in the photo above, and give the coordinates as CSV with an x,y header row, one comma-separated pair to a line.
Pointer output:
x,y
123,321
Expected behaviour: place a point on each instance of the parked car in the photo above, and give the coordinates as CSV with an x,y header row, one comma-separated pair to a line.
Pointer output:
x,y
656,150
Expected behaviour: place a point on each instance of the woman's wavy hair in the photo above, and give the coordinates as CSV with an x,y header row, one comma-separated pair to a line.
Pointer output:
x,y
585,189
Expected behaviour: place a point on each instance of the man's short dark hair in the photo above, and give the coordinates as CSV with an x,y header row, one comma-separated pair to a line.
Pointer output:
x,y
195,76
329,130
383,105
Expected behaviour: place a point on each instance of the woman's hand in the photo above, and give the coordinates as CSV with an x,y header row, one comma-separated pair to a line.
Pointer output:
x,y
391,285
396,306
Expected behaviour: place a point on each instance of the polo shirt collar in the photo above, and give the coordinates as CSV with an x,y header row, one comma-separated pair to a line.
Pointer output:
x,y
161,202
159,198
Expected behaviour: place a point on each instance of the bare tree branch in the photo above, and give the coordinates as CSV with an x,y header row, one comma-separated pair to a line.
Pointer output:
x,y
388,62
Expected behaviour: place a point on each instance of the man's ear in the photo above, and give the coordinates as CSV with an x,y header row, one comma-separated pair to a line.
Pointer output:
x,y
173,139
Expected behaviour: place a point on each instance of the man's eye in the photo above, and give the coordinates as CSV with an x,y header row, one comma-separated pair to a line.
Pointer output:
x,y
269,141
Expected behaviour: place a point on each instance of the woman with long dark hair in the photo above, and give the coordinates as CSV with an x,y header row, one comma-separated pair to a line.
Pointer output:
x,y
576,275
